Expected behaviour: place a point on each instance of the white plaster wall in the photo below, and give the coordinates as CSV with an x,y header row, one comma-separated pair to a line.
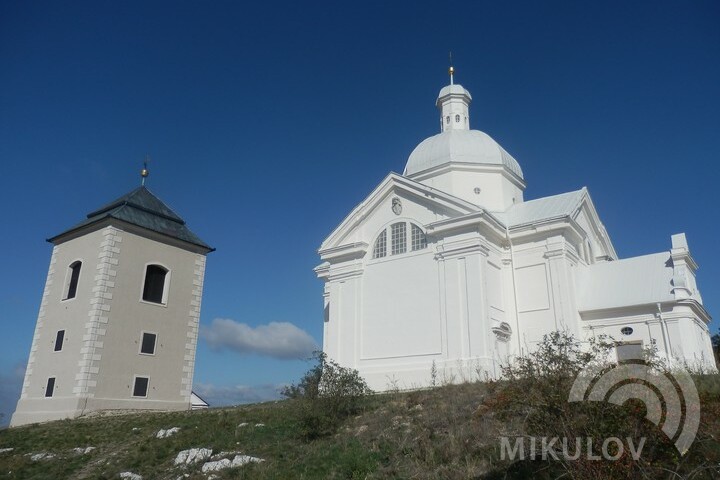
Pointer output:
x,y
497,193
400,307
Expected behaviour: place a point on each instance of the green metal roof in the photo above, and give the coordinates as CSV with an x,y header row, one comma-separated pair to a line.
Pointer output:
x,y
143,209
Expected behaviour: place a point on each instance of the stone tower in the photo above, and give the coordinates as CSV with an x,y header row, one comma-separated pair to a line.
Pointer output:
x,y
118,321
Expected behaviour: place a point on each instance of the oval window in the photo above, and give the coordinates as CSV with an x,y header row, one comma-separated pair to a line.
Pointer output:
x,y
626,331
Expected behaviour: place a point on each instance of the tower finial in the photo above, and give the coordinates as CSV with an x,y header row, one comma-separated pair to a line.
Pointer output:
x,y
144,172
451,70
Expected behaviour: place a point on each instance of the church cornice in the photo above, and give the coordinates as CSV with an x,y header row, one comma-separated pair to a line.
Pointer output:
x,y
469,167
482,221
350,251
461,248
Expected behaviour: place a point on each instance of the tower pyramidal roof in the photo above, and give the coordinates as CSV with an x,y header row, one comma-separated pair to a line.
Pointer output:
x,y
142,209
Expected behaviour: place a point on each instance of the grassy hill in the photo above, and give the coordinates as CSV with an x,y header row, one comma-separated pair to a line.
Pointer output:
x,y
447,432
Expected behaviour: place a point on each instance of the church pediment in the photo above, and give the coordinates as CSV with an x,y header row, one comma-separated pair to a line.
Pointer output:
x,y
400,197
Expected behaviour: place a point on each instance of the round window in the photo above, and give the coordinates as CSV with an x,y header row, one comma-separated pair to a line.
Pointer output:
x,y
626,331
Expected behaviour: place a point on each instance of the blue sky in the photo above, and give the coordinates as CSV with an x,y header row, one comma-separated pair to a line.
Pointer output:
x,y
267,122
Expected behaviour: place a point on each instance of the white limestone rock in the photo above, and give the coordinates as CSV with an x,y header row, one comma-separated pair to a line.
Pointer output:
x,y
224,463
83,451
216,465
130,476
167,433
36,457
193,455
241,460
4,450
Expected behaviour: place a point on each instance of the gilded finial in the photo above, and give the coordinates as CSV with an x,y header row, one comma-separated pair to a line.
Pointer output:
x,y
451,70
144,172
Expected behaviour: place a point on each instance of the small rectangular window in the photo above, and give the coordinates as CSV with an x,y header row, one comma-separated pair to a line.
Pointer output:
x,y
148,343
50,387
59,338
140,388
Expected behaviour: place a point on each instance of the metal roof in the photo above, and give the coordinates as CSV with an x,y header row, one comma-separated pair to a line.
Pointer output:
x,y
632,281
546,208
143,209
460,146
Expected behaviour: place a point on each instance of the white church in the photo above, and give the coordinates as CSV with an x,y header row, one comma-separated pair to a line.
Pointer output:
x,y
447,268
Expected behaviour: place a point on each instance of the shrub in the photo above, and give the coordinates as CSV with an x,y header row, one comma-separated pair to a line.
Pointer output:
x,y
532,401
326,395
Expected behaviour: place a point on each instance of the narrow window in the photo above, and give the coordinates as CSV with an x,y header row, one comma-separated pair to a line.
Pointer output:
x,y
59,338
154,288
457,118
73,277
50,387
398,238
447,119
418,239
140,388
147,345
380,249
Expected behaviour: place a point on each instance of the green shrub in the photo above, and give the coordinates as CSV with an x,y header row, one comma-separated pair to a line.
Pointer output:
x,y
532,402
326,395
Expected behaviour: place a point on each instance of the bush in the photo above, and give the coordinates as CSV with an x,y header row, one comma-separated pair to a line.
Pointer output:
x,y
327,394
532,402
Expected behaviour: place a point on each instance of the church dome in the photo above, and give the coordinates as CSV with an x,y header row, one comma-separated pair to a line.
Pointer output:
x,y
457,143
460,146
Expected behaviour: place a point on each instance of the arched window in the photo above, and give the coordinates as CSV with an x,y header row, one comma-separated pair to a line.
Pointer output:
x,y
155,280
399,240
457,118
380,249
418,239
447,119
72,278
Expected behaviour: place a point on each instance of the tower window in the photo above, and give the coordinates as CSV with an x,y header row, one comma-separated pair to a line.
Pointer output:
x,y
398,238
155,282
73,276
457,118
59,338
50,387
447,119
417,238
140,387
147,346
380,249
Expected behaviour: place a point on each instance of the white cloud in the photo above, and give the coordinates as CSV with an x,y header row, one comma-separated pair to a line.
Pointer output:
x,y
223,395
281,340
